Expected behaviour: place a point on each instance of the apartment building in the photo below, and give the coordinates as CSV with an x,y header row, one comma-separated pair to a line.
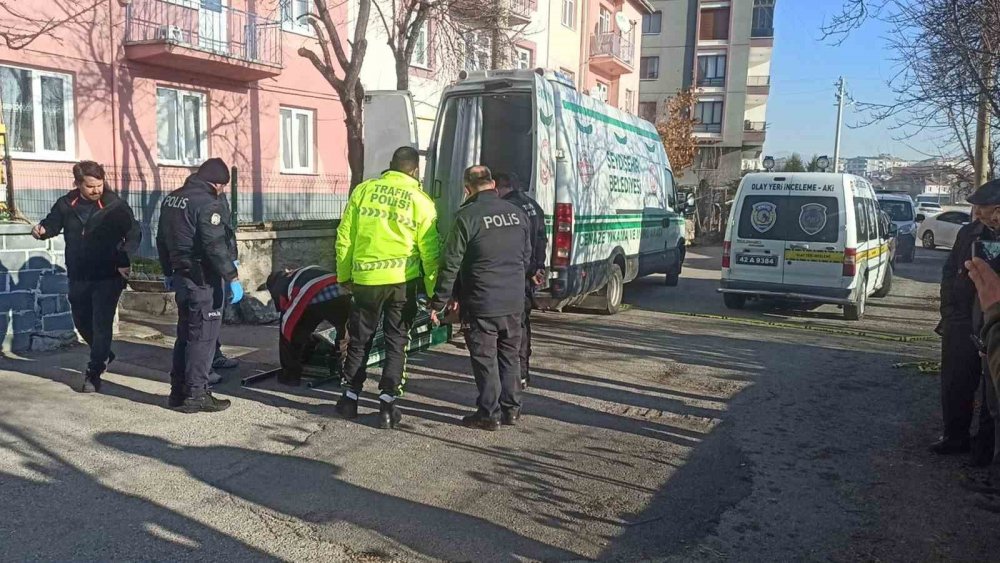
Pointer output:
x,y
721,49
873,166
151,88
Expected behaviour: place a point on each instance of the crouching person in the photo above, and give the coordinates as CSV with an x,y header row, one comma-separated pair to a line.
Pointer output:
x,y
305,297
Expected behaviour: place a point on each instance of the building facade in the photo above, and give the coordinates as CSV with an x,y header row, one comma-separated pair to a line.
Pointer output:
x,y
873,166
151,88
721,50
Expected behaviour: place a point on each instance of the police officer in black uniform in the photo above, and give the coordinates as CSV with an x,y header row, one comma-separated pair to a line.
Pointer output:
x,y
192,241
487,252
511,190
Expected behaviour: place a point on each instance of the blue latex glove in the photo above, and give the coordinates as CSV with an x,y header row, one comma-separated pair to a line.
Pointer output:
x,y
168,283
237,290
236,263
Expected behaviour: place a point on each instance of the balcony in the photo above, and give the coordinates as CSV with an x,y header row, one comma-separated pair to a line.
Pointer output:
x,y
203,36
754,132
611,53
518,11
758,85
713,128
711,82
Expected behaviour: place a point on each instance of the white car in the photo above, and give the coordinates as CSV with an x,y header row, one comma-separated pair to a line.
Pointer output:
x,y
941,229
928,208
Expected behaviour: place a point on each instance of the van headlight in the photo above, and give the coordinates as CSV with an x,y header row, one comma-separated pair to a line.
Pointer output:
x,y
908,229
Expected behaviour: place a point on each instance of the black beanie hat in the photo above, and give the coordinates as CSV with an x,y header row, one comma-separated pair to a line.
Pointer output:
x,y
214,170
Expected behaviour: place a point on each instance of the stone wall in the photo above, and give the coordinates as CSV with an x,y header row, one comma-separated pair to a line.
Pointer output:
x,y
34,289
265,251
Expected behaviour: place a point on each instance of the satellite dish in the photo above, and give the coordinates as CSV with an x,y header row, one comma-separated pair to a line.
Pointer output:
x,y
623,23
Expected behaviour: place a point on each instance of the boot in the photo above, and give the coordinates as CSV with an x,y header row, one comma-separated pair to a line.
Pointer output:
x,y
950,446
388,415
91,382
175,400
509,417
480,421
347,407
205,403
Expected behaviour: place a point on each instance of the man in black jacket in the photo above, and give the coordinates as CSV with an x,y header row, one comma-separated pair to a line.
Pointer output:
x,y
487,252
192,241
101,236
510,190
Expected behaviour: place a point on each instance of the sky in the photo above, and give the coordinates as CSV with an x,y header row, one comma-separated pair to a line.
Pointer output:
x,y
801,110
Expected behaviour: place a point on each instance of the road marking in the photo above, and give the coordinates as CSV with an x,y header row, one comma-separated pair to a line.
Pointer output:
x,y
875,335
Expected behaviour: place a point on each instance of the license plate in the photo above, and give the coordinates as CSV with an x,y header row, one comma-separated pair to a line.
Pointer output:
x,y
757,260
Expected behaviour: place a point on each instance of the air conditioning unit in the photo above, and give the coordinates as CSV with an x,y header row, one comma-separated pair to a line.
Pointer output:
x,y
170,33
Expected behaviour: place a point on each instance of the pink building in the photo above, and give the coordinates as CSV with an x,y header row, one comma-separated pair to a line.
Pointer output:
x,y
151,88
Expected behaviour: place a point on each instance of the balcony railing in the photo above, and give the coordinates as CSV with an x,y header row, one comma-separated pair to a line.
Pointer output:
x,y
755,126
713,82
207,26
758,81
521,8
763,32
708,128
611,44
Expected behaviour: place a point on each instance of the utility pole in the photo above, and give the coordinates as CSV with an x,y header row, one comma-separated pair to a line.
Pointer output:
x,y
840,123
983,137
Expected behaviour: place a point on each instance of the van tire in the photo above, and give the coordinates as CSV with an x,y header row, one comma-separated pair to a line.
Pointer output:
x,y
928,240
886,285
856,311
734,301
674,278
614,290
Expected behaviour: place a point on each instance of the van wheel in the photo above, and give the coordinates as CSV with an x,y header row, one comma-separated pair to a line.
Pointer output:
x,y
928,240
856,310
673,278
886,285
734,301
614,290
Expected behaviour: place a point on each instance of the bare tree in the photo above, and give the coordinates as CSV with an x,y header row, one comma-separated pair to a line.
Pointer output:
x,y
22,25
343,71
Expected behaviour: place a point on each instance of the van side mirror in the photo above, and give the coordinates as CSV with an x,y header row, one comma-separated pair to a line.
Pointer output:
x,y
921,217
685,205
893,230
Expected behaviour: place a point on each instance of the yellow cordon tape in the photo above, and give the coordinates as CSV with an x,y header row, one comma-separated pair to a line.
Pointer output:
x,y
889,337
923,366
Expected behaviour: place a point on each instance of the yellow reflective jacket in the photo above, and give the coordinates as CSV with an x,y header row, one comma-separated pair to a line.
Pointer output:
x,y
388,234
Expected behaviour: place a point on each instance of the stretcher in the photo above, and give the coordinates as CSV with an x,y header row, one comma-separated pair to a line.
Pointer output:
x,y
323,366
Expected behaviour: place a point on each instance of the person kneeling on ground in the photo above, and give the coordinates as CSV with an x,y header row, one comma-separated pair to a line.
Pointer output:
x,y
305,297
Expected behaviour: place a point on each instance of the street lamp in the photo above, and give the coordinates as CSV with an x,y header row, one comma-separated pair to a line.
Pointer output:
x,y
823,162
768,163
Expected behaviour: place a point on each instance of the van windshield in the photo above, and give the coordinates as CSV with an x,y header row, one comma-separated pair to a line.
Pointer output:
x,y
900,211
792,218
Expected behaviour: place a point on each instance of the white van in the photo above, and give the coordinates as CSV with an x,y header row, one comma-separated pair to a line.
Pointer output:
x,y
600,175
813,237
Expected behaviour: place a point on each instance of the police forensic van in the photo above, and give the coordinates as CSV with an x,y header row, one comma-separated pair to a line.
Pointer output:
x,y
813,237
600,175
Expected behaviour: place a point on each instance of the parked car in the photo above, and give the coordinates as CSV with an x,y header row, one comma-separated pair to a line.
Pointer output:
x,y
929,208
900,209
941,229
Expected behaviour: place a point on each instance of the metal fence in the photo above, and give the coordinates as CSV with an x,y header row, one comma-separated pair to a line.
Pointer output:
x,y
611,44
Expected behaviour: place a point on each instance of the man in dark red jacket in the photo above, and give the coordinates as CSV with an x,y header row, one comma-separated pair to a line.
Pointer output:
x,y
101,237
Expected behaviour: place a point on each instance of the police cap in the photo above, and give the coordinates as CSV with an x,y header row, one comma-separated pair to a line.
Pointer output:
x,y
987,194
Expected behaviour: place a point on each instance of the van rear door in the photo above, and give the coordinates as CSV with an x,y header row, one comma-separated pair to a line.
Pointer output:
x,y
758,245
815,236
390,122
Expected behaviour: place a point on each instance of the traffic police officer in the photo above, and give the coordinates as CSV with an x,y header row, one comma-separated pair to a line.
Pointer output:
x,y
386,242
488,252
195,257
510,189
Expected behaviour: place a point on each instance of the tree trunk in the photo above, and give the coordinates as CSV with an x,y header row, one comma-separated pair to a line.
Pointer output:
x,y
402,73
354,122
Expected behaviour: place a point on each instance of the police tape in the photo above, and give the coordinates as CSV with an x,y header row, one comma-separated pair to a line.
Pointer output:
x,y
875,335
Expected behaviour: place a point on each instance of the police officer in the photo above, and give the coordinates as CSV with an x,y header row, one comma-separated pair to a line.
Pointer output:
x,y
192,244
510,189
961,365
386,242
488,252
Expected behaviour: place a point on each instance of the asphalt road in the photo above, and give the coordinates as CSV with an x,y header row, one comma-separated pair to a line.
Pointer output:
x,y
648,435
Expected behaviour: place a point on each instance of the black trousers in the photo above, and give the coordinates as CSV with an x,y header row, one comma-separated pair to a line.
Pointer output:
x,y
961,369
525,349
494,348
293,353
396,306
94,303
199,320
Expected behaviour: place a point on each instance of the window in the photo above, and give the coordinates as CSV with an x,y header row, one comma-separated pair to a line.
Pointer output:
x,y
629,100
651,23
477,50
649,68
181,127
787,211
708,117
569,13
600,91
523,58
38,111
712,70
294,16
297,154
604,21
714,25
861,219
873,221
955,217
707,158
647,111
421,50
763,19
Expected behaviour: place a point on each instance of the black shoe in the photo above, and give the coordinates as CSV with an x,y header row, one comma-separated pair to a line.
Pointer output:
x,y
175,400
950,446
388,415
347,407
509,417
91,382
476,420
205,403
111,357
